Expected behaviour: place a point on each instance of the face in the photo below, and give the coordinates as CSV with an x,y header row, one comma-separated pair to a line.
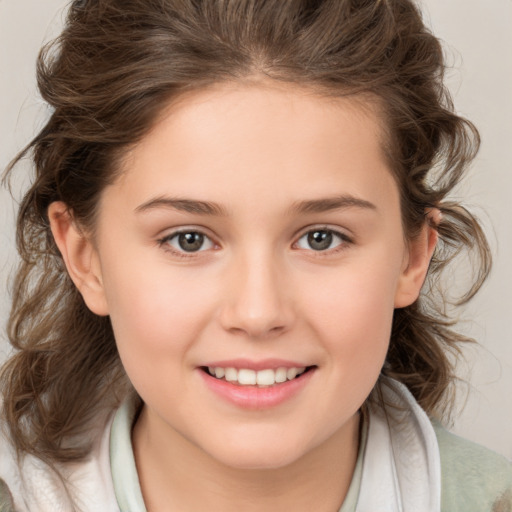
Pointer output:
x,y
254,234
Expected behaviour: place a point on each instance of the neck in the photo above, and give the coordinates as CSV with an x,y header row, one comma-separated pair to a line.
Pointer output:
x,y
175,475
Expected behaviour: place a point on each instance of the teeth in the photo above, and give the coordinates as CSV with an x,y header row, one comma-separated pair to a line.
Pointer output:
x,y
291,373
231,374
247,377
262,378
280,375
266,378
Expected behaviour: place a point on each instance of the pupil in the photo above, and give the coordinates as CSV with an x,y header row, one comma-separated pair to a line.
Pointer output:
x,y
190,242
319,240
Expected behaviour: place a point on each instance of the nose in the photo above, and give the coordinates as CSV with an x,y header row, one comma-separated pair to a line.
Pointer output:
x,y
257,301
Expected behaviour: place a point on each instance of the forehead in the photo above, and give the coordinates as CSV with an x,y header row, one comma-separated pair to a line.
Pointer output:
x,y
254,99
259,139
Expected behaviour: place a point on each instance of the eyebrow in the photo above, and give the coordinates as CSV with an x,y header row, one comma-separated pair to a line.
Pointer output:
x,y
331,203
184,205
208,208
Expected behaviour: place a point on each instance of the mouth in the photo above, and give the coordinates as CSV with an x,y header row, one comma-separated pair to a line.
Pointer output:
x,y
256,378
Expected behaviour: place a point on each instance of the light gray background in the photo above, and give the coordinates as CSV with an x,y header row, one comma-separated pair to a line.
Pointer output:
x,y
478,37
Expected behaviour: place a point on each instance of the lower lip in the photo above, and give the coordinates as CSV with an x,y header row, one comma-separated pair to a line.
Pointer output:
x,y
253,397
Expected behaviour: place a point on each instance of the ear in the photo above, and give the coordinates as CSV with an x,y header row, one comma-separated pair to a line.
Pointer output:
x,y
80,257
419,252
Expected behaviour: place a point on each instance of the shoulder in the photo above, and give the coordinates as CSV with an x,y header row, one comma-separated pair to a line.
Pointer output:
x,y
9,474
84,484
6,501
474,479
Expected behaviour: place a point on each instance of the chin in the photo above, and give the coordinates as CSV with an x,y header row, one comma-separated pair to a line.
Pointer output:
x,y
257,456
258,461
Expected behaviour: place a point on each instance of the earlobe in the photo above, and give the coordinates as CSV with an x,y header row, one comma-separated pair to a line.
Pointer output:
x,y
80,257
420,253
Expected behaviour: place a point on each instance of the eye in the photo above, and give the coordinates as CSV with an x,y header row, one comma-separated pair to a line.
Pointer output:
x,y
188,241
321,240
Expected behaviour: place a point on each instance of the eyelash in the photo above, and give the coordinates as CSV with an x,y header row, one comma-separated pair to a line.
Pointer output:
x,y
344,240
165,245
342,245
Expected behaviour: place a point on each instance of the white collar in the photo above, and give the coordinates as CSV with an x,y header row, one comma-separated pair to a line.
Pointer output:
x,y
402,467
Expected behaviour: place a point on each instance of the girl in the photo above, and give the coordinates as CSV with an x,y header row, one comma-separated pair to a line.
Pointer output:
x,y
230,255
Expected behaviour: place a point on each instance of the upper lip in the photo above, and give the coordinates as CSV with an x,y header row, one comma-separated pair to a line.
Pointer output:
x,y
263,364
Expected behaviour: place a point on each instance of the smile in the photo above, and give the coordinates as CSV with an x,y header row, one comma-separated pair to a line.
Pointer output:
x,y
262,378
265,385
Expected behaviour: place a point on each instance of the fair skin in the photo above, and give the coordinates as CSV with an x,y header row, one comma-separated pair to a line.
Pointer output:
x,y
295,258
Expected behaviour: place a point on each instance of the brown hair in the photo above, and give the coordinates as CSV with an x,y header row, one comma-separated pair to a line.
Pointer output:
x,y
107,77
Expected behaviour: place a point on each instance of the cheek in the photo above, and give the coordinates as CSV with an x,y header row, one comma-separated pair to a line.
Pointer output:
x,y
156,312
353,315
